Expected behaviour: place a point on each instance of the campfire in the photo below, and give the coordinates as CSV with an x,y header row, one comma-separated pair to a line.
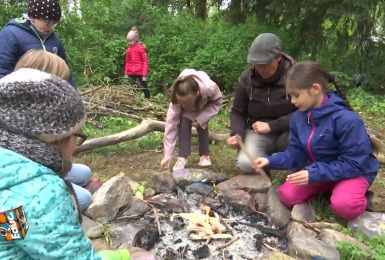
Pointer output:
x,y
205,226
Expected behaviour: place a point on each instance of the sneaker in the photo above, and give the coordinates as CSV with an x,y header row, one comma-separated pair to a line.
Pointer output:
x,y
180,163
204,161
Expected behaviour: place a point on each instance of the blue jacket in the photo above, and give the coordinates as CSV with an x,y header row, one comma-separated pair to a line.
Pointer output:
x,y
17,37
330,142
54,230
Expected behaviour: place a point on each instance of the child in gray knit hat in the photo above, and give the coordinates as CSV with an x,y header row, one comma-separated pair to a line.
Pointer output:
x,y
41,117
79,174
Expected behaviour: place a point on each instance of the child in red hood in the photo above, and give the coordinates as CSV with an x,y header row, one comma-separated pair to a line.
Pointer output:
x,y
136,66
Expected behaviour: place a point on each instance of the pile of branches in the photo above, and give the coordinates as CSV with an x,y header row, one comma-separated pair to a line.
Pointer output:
x,y
122,100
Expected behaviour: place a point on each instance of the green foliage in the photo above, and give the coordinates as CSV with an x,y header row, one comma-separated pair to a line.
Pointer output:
x,y
349,41
350,251
362,100
377,246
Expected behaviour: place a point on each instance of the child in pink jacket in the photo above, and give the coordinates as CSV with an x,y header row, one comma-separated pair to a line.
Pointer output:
x,y
195,99
136,65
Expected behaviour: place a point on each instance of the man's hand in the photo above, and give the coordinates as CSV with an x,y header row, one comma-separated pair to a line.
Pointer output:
x,y
232,141
261,127
298,178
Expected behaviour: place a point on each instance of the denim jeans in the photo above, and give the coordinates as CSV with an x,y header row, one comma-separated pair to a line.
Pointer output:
x,y
79,175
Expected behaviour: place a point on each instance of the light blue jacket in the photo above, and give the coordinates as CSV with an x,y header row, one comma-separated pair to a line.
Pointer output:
x,y
54,230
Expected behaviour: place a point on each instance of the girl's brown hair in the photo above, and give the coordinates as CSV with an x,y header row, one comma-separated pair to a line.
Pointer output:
x,y
44,61
184,86
304,74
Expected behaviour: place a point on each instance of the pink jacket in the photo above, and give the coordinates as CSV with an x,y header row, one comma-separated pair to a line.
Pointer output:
x,y
136,60
207,108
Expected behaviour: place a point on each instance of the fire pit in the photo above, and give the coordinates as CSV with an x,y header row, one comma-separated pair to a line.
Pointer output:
x,y
204,226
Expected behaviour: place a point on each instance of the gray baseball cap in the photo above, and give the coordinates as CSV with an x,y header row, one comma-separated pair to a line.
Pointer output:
x,y
264,49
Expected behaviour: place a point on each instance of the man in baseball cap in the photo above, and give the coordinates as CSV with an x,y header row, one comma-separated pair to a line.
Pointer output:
x,y
262,109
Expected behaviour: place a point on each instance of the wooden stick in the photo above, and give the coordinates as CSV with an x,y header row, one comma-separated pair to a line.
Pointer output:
x,y
129,217
250,157
157,219
269,247
223,246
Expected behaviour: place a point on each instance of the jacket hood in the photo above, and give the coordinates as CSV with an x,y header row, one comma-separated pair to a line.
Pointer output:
x,y
22,23
334,103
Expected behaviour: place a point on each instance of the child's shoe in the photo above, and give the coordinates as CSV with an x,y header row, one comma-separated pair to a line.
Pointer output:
x,y
204,161
180,163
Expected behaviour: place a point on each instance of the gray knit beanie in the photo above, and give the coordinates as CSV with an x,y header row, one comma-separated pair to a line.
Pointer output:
x,y
34,103
264,49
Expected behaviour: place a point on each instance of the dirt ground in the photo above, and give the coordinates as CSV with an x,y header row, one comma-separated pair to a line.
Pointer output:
x,y
141,164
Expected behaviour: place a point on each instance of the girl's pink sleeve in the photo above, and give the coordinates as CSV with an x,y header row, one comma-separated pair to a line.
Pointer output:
x,y
213,105
171,129
145,62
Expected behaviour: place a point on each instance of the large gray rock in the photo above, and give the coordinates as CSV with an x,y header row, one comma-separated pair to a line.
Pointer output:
x,y
249,182
331,237
162,182
138,208
92,228
200,188
165,201
115,194
307,247
302,212
261,201
370,223
297,229
327,225
277,213
121,235
279,256
240,199
189,175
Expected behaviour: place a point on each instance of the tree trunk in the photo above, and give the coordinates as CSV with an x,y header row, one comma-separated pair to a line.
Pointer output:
x,y
201,9
145,127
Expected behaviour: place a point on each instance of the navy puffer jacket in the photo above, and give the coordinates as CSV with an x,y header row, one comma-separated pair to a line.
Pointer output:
x,y
18,37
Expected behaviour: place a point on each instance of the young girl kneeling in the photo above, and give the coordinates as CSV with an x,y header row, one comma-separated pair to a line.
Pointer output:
x,y
328,142
195,99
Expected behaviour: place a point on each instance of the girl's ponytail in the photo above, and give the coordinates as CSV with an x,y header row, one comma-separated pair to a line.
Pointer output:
x,y
374,140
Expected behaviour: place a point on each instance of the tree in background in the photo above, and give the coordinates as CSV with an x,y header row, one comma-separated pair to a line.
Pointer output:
x,y
213,35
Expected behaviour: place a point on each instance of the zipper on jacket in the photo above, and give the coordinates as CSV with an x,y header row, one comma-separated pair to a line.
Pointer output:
x,y
310,120
38,36
268,95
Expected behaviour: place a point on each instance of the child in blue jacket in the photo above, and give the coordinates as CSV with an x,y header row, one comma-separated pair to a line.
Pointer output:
x,y
328,143
34,30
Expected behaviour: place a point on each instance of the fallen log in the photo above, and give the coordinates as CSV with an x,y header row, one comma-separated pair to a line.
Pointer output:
x,y
145,127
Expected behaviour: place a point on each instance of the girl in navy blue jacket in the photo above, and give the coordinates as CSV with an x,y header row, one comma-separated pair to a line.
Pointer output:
x,y
328,142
